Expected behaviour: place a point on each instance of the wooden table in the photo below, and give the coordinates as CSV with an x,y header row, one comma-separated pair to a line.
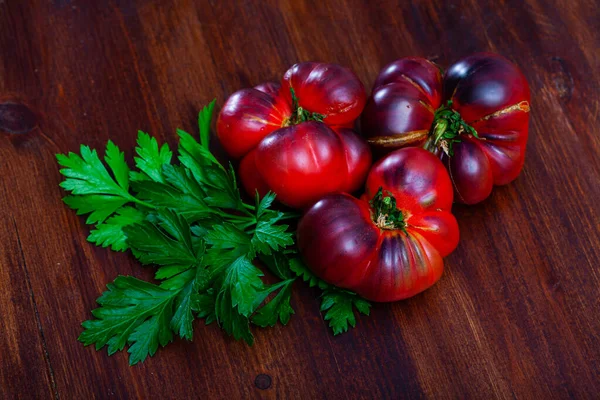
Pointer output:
x,y
517,311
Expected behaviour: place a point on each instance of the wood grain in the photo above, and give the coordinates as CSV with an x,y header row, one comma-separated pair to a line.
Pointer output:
x,y
517,312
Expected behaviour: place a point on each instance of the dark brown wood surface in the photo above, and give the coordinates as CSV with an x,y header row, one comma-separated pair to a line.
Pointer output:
x,y
517,312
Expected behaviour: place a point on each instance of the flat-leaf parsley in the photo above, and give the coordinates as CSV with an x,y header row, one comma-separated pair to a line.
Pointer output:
x,y
187,220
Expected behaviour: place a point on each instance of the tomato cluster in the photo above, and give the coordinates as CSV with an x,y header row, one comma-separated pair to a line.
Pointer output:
x,y
389,244
295,138
475,117
443,137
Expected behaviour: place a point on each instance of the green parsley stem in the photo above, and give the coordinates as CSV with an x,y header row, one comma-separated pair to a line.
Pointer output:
x,y
140,202
234,217
250,217
248,224
248,213
290,215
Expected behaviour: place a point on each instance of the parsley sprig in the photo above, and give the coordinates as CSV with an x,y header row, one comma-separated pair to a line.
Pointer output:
x,y
337,304
187,220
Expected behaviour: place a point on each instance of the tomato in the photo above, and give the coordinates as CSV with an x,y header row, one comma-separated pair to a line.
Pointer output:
x,y
295,138
475,117
389,244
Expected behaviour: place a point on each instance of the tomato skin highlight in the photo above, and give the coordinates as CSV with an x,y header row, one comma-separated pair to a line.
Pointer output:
x,y
299,162
488,92
251,179
414,177
327,89
470,171
483,83
300,147
400,109
421,73
247,117
358,159
341,241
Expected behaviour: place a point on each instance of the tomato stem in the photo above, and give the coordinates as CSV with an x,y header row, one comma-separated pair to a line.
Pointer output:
x,y
300,114
446,130
386,215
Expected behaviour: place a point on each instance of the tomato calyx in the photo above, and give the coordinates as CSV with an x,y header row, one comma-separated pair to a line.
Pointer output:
x,y
300,114
446,130
384,213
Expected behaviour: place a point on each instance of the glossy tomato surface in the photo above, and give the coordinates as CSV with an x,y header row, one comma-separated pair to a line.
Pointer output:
x,y
485,92
357,244
295,138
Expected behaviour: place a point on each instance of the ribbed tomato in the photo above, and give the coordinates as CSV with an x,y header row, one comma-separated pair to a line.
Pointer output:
x,y
475,117
389,244
295,138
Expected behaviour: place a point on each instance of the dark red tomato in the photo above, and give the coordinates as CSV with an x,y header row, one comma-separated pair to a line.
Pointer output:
x,y
475,117
389,244
295,138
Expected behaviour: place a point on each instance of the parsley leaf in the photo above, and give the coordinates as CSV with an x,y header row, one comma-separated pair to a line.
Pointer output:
x,y
182,179
150,159
203,226
279,264
228,243
163,239
98,206
179,191
186,301
160,195
204,305
231,320
110,233
194,156
300,269
278,308
133,312
262,206
218,183
221,189
204,119
242,284
87,175
228,236
116,161
338,304
268,236
92,187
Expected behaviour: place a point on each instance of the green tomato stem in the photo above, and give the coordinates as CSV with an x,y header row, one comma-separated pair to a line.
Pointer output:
x,y
386,214
447,129
438,130
300,114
